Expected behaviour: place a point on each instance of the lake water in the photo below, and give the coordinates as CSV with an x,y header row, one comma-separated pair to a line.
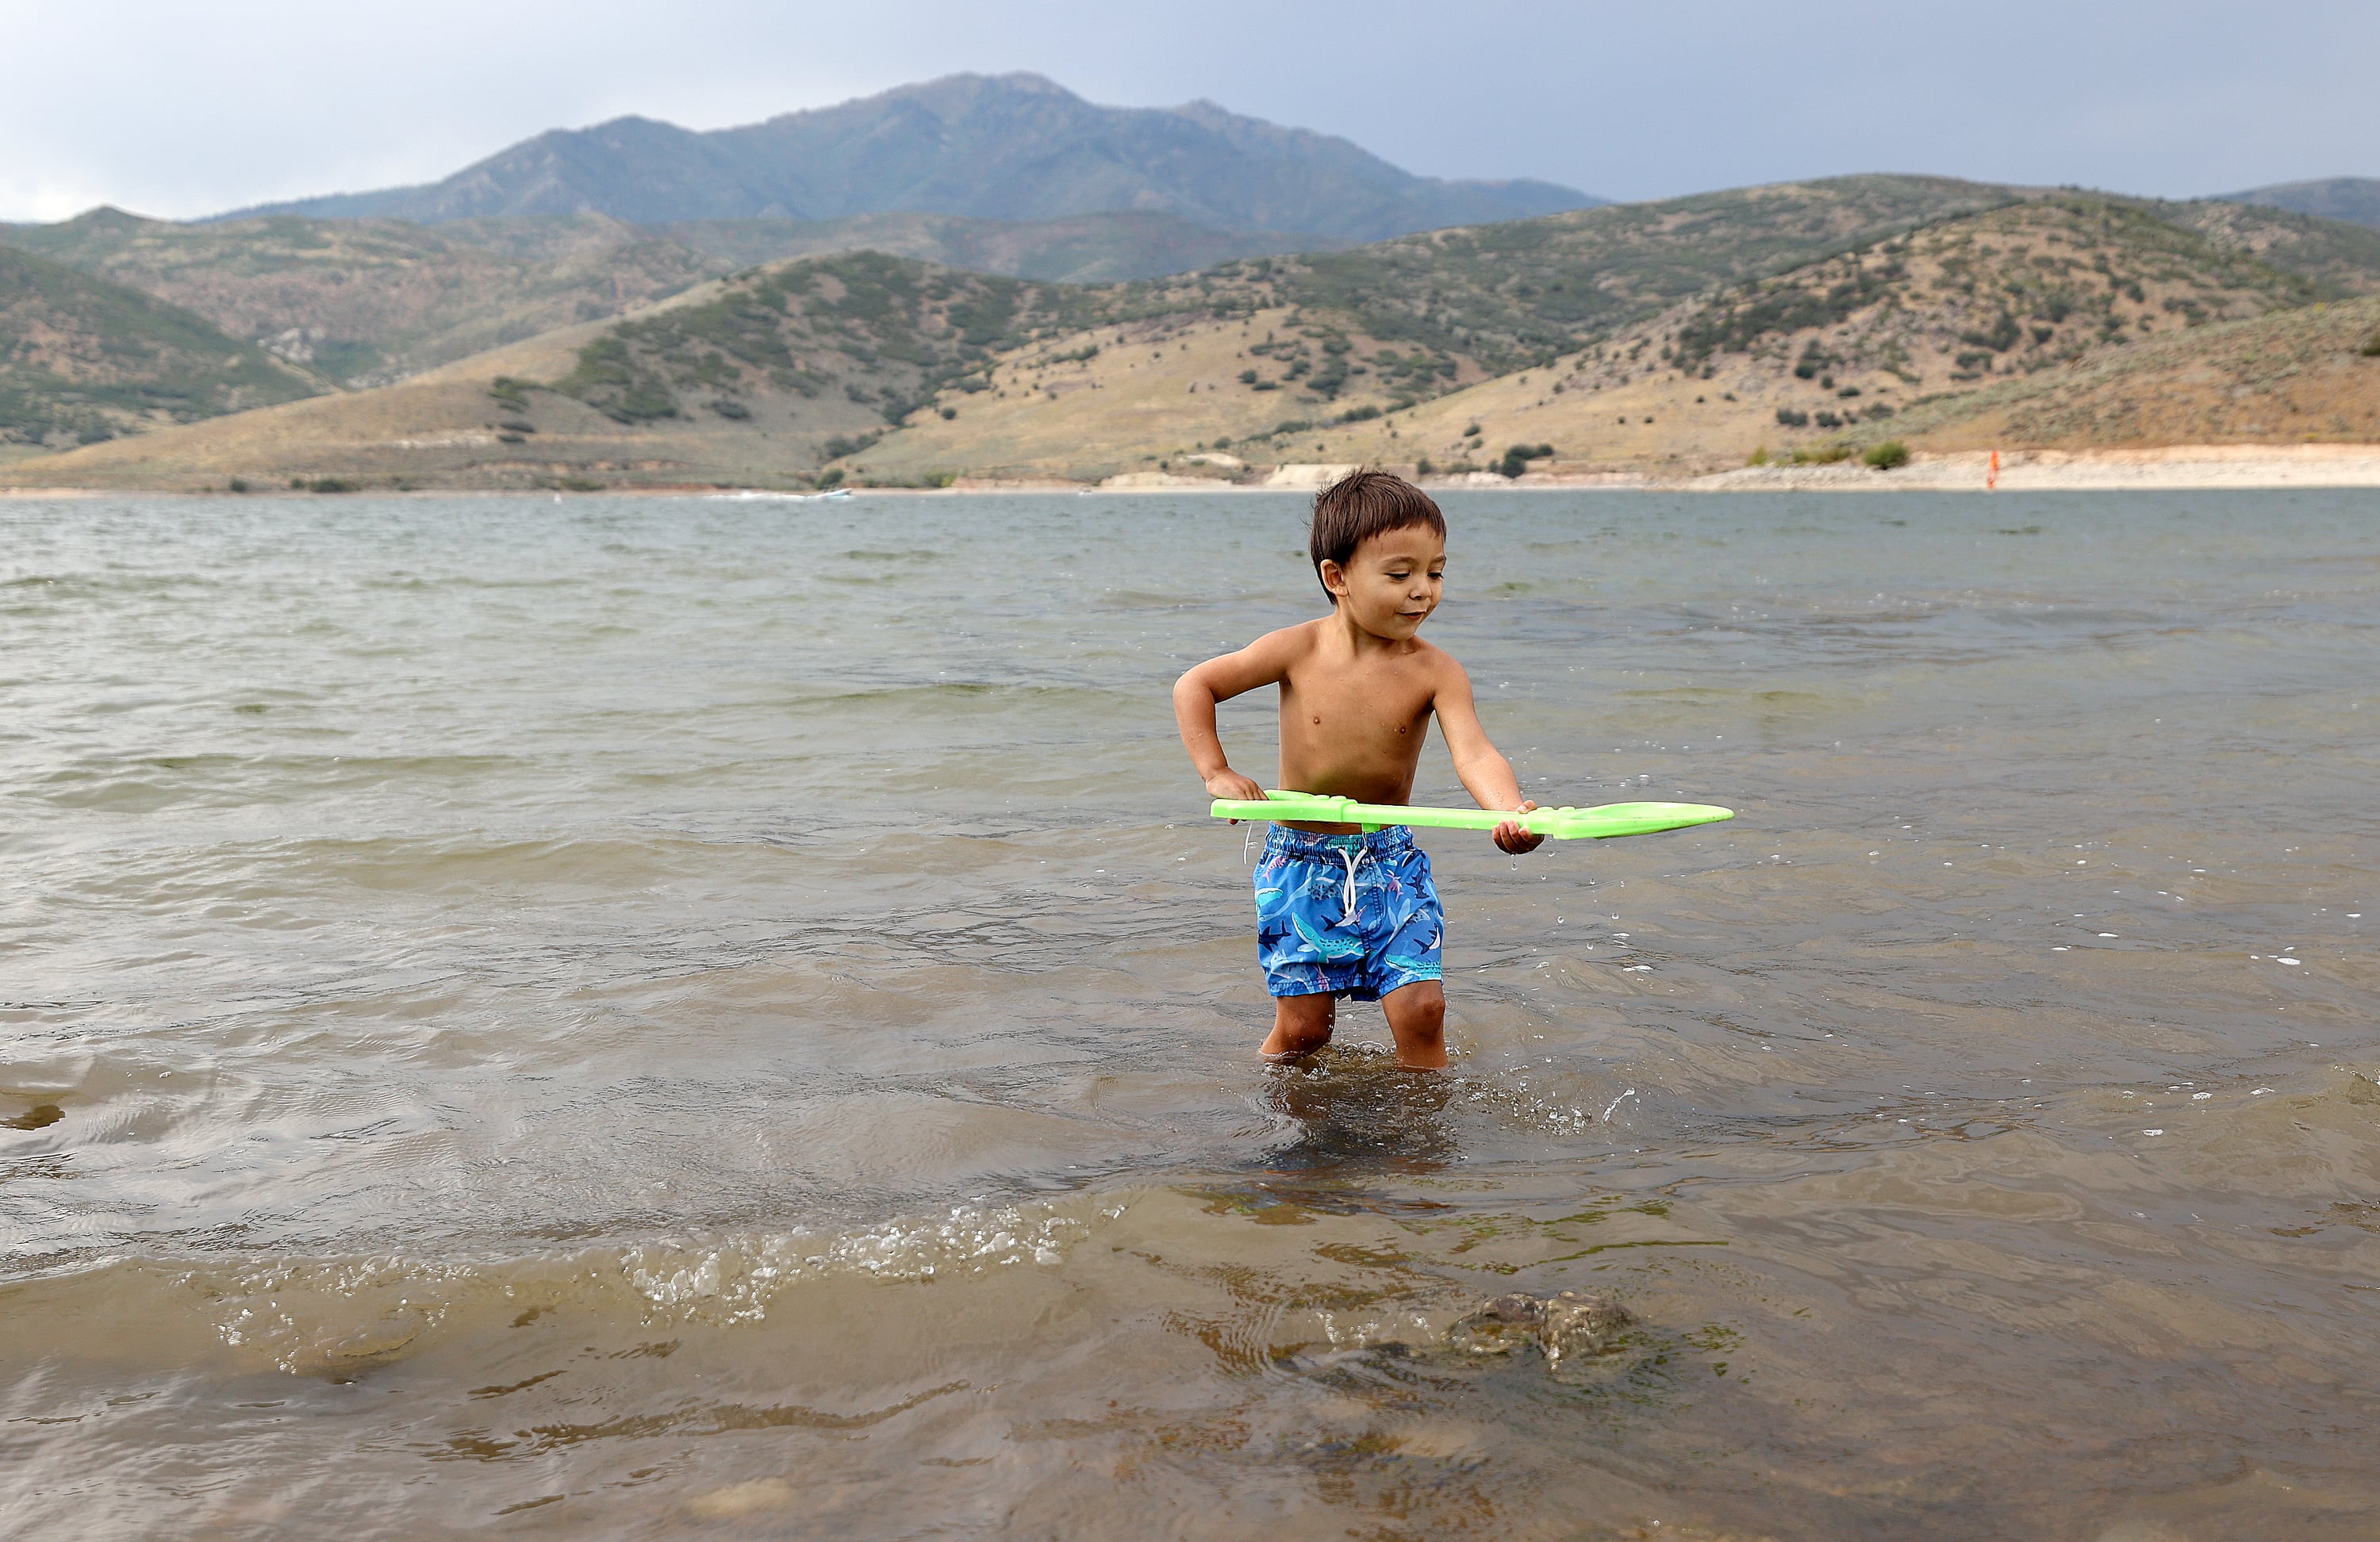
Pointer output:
x,y
666,1017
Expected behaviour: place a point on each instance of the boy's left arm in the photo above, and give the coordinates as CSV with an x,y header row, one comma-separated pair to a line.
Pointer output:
x,y
1485,775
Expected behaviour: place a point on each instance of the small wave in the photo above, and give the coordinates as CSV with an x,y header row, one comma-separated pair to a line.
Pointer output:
x,y
734,1280
340,1318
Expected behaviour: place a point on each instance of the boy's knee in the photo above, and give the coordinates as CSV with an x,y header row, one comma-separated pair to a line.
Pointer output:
x,y
1418,1014
1301,1023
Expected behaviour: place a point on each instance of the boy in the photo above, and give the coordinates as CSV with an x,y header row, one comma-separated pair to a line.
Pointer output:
x,y
1338,912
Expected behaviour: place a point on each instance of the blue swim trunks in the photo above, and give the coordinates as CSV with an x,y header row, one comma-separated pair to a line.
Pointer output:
x,y
1347,915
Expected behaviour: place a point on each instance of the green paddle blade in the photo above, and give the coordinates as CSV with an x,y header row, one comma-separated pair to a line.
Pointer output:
x,y
1563,824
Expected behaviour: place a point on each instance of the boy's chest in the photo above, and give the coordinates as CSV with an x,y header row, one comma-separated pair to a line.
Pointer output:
x,y
1386,702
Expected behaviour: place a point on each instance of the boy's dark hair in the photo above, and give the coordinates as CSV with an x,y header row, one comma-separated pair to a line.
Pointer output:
x,y
1360,505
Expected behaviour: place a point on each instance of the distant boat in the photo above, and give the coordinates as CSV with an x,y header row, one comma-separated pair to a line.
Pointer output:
x,y
750,495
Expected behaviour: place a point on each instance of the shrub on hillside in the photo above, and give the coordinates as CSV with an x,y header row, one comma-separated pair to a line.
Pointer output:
x,y
1886,456
1792,419
1999,336
1516,459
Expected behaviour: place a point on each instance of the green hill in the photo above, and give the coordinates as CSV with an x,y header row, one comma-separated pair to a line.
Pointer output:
x,y
363,302
83,359
862,330
367,301
2012,290
1509,296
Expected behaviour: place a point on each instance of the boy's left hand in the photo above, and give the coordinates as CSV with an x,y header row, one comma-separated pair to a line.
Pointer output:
x,y
1513,838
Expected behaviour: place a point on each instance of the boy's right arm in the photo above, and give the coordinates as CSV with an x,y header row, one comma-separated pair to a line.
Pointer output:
x,y
1262,663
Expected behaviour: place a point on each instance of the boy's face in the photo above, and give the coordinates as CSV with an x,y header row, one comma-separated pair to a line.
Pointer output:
x,y
1392,582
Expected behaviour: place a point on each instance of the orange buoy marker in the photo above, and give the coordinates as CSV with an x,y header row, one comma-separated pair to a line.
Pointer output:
x,y
1992,475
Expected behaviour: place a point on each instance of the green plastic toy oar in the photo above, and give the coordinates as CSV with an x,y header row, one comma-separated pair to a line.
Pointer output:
x,y
1563,824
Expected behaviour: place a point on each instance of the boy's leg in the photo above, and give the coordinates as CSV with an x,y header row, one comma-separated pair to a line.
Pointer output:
x,y
1417,1018
1301,1024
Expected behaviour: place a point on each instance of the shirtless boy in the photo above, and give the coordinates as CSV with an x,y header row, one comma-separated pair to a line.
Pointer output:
x,y
1338,912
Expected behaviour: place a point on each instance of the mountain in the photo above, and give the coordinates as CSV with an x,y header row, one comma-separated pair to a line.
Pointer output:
x,y
2355,200
1006,147
82,361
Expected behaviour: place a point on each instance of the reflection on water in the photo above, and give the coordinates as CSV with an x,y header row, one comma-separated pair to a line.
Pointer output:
x,y
657,1018
1354,1114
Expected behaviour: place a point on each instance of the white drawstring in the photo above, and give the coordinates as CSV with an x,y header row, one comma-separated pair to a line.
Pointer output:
x,y
1350,856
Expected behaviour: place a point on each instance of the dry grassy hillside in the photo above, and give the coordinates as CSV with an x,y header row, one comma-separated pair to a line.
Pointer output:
x,y
1146,395
2310,375
1833,348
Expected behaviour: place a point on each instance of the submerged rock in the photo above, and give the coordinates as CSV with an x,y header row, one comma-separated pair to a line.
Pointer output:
x,y
1568,1327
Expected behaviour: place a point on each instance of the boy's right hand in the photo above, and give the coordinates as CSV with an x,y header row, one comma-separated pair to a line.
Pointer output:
x,y
1229,783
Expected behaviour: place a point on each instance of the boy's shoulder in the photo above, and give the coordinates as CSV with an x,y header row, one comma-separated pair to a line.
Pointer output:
x,y
1290,642
1305,642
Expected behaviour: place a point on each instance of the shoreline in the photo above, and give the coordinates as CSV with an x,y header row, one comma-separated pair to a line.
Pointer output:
x,y
2182,468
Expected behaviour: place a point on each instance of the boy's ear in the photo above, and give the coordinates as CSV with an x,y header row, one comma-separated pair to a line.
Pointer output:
x,y
1334,577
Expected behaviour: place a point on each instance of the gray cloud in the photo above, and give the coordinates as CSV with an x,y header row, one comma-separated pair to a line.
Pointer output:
x,y
187,109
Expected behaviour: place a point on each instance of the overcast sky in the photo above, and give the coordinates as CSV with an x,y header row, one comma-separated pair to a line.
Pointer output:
x,y
180,110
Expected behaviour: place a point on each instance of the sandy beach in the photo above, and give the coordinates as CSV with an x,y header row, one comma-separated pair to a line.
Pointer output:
x,y
2174,468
